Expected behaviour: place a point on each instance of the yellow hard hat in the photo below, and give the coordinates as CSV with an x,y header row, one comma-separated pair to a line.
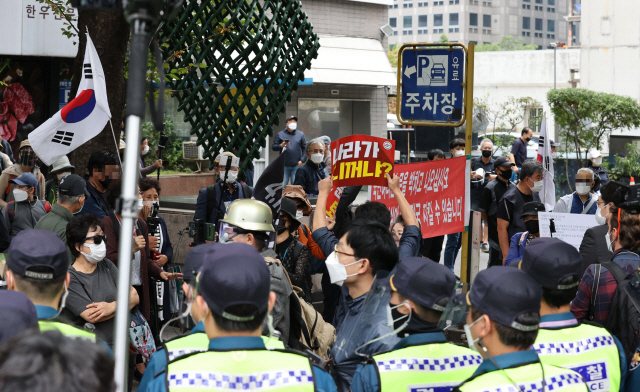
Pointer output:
x,y
249,214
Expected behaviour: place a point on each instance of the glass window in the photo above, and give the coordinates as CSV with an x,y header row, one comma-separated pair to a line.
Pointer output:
x,y
486,20
551,2
437,20
526,23
473,19
407,22
538,24
538,1
453,19
393,22
551,26
422,20
334,118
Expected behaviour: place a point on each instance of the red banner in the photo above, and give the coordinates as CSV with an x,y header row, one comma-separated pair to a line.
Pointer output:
x,y
361,160
333,199
435,190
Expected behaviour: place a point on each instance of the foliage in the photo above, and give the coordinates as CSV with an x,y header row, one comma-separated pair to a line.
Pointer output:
x,y
507,43
60,9
626,166
515,111
444,39
393,55
172,154
585,118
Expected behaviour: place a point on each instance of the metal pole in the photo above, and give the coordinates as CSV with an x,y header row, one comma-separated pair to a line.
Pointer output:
x,y
140,33
554,66
464,256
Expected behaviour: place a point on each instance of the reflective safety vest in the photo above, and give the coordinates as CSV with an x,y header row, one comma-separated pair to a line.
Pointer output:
x,y
67,330
586,349
253,369
434,367
528,378
199,342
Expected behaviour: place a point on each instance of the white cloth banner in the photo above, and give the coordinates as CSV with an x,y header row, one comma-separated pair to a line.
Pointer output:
x,y
570,228
548,192
78,121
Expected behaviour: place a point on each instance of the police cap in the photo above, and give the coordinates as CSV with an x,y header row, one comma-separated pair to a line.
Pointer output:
x,y
18,314
503,294
194,260
423,281
550,260
38,254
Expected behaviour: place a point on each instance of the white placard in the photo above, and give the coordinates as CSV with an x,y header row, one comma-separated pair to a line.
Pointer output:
x,y
569,227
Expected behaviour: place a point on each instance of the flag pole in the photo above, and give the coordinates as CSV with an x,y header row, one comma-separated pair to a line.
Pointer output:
x,y
116,143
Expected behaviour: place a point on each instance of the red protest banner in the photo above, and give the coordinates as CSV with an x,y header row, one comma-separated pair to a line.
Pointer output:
x,y
436,191
333,200
361,160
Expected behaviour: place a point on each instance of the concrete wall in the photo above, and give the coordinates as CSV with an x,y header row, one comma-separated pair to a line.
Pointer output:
x,y
523,73
351,18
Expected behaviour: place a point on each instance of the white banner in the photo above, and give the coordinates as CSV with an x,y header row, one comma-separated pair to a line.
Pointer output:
x,y
570,228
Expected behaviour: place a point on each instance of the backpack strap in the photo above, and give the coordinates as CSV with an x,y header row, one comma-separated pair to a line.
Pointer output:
x,y
246,190
618,273
11,210
594,291
211,200
11,177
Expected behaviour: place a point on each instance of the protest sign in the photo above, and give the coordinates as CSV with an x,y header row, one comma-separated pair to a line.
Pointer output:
x,y
438,192
361,160
570,228
333,200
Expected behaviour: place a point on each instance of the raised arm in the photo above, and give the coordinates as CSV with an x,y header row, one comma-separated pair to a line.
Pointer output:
x,y
405,209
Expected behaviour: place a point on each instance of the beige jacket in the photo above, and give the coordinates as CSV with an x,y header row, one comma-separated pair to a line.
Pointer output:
x,y
6,189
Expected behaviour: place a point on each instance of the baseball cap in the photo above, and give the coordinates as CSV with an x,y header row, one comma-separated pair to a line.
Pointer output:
x,y
502,162
550,260
235,274
595,154
18,314
423,281
25,179
325,139
194,260
292,118
227,153
553,144
503,294
532,208
72,185
38,254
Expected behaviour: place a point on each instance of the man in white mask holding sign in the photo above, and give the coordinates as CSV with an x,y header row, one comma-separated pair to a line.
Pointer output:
x,y
582,201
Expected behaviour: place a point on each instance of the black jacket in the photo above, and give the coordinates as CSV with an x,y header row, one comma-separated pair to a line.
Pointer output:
x,y
309,175
593,248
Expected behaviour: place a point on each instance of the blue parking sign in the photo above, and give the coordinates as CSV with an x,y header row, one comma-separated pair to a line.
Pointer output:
x,y
432,85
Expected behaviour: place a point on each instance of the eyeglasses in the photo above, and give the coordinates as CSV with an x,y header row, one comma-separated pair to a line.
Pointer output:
x,y
335,248
97,239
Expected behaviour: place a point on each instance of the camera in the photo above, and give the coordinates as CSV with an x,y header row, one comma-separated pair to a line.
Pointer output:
x,y
201,231
153,221
626,197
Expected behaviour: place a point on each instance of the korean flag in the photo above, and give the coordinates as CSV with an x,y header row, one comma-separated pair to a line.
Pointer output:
x,y
78,121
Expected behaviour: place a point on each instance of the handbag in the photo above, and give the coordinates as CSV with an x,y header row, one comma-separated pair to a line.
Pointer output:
x,y
140,337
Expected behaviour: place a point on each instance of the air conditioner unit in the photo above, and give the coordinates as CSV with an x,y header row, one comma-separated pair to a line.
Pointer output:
x,y
191,151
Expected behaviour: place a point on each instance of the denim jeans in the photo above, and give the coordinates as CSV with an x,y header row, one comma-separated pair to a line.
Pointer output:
x,y
289,173
454,241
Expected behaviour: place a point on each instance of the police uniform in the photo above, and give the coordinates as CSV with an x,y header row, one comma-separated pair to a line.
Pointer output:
x,y
236,274
40,255
585,348
504,293
424,360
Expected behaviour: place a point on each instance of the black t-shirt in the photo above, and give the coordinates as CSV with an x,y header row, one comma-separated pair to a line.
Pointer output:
x,y
505,207
519,151
499,188
477,186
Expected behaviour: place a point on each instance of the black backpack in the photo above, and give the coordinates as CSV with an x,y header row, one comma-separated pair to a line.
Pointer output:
x,y
211,197
623,320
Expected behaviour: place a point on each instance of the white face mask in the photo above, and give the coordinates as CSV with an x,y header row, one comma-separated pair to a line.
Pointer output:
x,y
317,158
597,161
537,185
139,205
62,175
292,126
583,189
231,177
299,214
599,218
337,271
467,331
554,155
459,153
145,150
98,252
20,195
607,238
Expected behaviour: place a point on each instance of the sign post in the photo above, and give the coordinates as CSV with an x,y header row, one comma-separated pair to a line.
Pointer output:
x,y
464,256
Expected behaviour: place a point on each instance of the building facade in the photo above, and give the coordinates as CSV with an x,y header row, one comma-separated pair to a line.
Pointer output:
x,y
538,22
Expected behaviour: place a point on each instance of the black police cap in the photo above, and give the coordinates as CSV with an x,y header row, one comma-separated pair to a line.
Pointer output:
x,y
18,314
550,260
194,260
38,254
423,281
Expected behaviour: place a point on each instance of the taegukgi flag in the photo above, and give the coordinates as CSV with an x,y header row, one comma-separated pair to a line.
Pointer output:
x,y
78,121
548,192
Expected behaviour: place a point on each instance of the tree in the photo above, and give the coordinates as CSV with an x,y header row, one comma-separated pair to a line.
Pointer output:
x,y
507,43
584,118
514,111
444,39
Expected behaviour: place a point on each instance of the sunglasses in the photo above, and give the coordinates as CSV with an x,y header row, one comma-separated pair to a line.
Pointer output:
x,y
97,239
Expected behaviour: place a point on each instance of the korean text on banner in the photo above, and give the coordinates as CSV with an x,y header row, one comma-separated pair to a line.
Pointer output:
x,y
436,192
361,160
570,228
333,200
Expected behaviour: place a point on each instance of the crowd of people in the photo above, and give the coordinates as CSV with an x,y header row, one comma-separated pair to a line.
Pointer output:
x,y
542,317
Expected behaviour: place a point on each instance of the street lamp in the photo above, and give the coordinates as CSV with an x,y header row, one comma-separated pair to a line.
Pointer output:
x,y
555,45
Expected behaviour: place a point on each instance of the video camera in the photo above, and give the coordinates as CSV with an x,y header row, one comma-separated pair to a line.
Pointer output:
x,y
625,196
153,221
201,231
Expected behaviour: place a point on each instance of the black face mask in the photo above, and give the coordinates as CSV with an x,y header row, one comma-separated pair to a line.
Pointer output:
x,y
282,226
416,324
396,316
533,226
486,153
106,182
528,139
504,174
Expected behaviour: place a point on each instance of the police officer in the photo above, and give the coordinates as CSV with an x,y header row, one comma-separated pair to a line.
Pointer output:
x,y
502,324
562,341
18,314
37,264
420,292
234,297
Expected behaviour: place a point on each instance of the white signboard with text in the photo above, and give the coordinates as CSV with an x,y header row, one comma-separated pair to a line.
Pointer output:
x,y
570,228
